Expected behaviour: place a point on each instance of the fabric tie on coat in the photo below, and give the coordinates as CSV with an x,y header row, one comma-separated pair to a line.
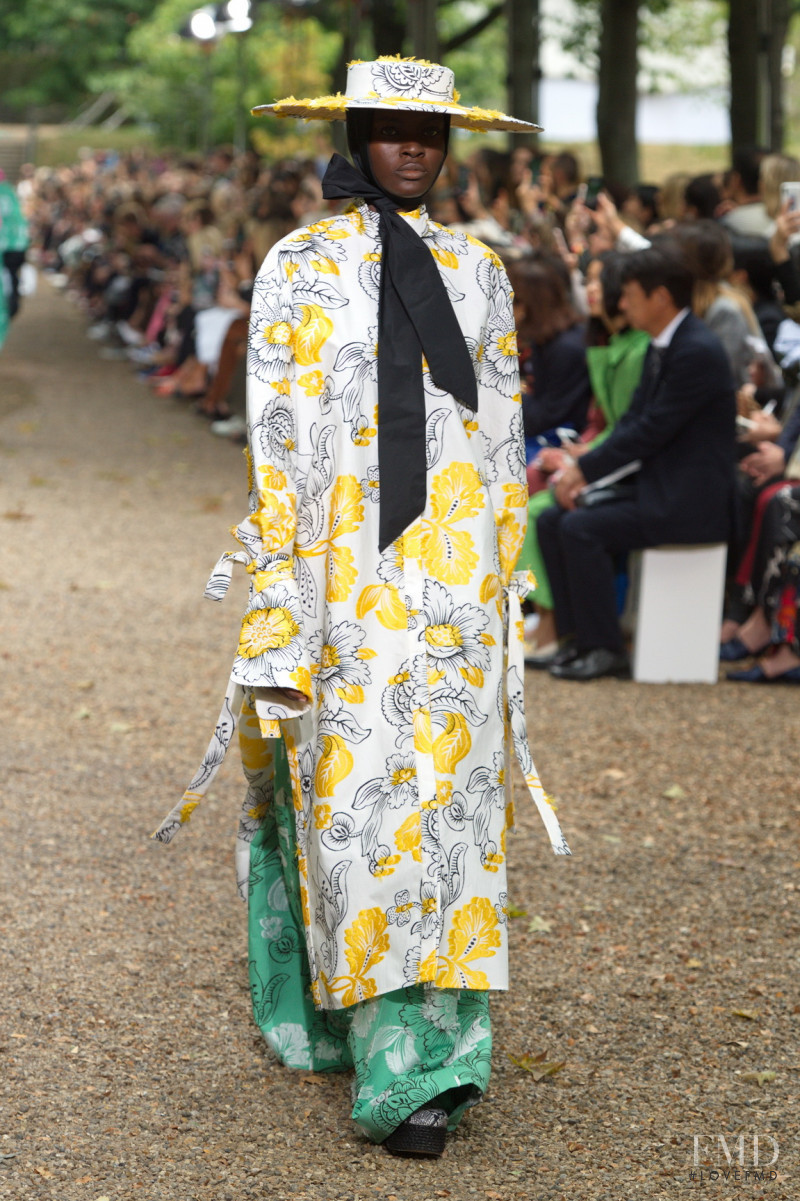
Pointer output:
x,y
415,317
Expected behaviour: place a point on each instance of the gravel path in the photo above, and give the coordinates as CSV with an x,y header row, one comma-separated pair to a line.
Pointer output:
x,y
659,965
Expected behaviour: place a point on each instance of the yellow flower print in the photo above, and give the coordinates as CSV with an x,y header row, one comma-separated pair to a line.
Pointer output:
x,y
474,935
510,536
266,630
248,458
366,943
427,969
364,433
492,861
281,386
452,745
312,383
276,521
409,837
443,797
456,495
346,515
301,678
313,331
271,478
390,605
322,816
470,426
516,495
385,865
190,802
494,259
334,765
445,257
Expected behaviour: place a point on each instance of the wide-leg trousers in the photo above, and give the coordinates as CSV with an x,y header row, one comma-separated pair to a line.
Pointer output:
x,y
406,1047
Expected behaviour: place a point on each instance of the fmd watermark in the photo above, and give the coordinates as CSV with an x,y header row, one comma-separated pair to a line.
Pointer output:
x,y
734,1159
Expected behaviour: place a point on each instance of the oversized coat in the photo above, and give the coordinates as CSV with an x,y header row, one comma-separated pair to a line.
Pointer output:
x,y
411,660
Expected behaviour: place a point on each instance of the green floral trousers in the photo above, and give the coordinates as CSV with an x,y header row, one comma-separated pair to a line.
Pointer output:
x,y
406,1046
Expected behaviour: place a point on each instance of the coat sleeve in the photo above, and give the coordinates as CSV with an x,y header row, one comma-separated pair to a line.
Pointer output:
x,y
500,420
272,652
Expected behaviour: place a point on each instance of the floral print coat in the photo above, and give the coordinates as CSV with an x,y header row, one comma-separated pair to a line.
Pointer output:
x,y
410,661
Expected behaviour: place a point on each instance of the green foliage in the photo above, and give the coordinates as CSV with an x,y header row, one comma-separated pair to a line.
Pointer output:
x,y
676,28
176,84
49,55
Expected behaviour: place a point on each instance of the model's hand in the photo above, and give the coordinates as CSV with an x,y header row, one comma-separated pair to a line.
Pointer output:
x,y
292,693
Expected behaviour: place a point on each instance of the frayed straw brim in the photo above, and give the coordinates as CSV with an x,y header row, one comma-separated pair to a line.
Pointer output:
x,y
334,108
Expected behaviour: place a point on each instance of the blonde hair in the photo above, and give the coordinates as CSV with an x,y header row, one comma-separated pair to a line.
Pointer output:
x,y
776,169
671,197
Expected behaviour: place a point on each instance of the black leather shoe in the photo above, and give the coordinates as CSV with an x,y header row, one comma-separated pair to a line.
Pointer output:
x,y
592,665
564,654
422,1135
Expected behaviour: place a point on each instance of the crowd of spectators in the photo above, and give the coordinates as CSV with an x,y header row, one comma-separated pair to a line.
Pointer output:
x,y
161,251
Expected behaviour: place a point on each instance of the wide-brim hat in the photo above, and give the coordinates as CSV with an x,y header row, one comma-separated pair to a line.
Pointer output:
x,y
392,82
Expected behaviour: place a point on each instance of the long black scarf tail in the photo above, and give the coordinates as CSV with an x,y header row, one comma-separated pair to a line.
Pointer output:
x,y
415,317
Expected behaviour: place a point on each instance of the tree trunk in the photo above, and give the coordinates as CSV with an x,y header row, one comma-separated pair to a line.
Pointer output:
x,y
756,34
779,27
422,29
524,71
389,27
743,58
617,96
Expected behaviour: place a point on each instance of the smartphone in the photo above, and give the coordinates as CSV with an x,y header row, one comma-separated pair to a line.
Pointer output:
x,y
791,191
594,186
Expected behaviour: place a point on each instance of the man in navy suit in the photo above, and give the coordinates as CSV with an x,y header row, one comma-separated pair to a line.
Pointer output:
x,y
681,425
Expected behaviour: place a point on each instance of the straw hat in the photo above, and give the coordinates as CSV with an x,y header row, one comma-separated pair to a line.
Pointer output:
x,y
392,82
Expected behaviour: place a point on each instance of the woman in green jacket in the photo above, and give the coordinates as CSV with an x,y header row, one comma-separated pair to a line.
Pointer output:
x,y
615,367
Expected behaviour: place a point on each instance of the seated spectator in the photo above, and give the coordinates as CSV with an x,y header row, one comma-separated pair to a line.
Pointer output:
x,y
770,459
746,213
775,170
640,207
672,197
724,308
702,198
772,630
555,382
614,357
680,430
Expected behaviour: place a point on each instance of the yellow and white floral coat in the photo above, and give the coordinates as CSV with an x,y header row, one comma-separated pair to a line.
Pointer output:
x,y
400,754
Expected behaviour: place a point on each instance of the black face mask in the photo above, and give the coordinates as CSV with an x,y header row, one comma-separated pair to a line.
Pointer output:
x,y
415,317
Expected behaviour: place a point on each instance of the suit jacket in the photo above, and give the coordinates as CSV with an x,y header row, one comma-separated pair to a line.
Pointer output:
x,y
682,425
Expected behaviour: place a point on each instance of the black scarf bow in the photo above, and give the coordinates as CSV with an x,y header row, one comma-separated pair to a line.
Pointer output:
x,y
415,317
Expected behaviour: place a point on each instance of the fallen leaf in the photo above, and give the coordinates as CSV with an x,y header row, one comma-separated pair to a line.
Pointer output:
x,y
85,685
759,1078
120,727
749,1015
537,1065
514,912
43,1172
82,714
673,793
611,838
693,963
614,773
539,925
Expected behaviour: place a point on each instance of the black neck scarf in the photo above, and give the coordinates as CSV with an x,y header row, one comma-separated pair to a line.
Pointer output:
x,y
415,317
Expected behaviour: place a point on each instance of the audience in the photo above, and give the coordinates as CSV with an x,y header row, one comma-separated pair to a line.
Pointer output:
x,y
160,251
